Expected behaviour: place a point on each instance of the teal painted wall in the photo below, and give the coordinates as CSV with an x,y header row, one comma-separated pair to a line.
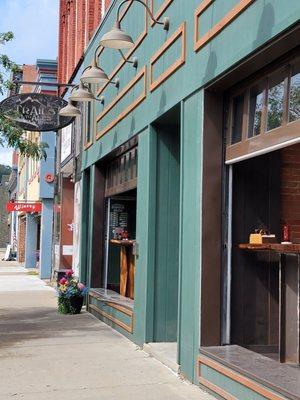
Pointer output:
x,y
233,388
190,232
167,235
259,23
145,236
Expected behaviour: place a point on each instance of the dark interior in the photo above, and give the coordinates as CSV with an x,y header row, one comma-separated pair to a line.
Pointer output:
x,y
255,275
122,209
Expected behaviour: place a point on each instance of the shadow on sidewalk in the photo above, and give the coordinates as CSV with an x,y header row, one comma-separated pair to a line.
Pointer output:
x,y
18,326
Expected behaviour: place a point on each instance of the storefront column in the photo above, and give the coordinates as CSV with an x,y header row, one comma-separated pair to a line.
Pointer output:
x,y
145,236
46,239
47,167
190,234
30,241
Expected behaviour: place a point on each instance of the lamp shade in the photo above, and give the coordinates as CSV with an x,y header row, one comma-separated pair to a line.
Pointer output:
x,y
117,39
81,94
94,74
69,110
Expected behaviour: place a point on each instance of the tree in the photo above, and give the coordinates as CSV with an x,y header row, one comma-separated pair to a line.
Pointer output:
x,y
11,134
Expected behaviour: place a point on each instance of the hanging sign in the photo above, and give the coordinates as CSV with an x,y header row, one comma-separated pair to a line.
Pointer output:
x,y
23,206
36,111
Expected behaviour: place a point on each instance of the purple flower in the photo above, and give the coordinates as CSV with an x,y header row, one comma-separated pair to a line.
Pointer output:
x,y
63,281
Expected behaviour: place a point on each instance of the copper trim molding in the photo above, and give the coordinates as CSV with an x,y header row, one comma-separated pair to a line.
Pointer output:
x,y
127,328
160,11
180,33
138,42
118,307
124,310
250,384
215,30
216,389
87,145
141,75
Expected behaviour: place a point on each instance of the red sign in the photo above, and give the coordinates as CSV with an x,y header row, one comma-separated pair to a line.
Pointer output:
x,y
25,207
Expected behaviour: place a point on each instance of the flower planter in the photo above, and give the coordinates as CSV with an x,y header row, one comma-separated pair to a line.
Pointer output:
x,y
76,303
70,294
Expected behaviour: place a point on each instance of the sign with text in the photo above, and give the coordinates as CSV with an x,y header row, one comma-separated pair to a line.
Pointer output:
x,y
66,143
24,207
35,111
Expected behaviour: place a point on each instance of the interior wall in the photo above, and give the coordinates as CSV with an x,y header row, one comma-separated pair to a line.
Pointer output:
x,y
290,190
67,216
212,220
256,204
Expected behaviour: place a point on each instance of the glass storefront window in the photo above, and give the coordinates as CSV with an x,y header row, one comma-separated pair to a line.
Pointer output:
x,y
237,118
294,95
257,96
275,100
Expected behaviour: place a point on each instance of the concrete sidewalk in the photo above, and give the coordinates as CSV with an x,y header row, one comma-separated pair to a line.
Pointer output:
x,y
44,355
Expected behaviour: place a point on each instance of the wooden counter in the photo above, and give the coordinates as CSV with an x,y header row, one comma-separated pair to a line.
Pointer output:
x,y
276,247
127,266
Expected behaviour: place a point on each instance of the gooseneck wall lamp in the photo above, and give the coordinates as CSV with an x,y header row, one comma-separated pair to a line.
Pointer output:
x,y
69,110
118,39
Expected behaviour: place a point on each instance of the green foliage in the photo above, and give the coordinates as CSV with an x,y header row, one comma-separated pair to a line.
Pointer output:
x,y
4,170
10,134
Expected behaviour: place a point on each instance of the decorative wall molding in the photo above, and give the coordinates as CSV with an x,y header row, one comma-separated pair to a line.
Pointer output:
x,y
200,42
120,308
138,42
87,145
248,383
121,324
161,9
180,33
141,75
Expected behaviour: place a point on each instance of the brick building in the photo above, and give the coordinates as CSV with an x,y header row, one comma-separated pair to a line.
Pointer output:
x,y
78,19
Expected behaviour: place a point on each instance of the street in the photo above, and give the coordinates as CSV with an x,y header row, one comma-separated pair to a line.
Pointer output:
x,y
44,355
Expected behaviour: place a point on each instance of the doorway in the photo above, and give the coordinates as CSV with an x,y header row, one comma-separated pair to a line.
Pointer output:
x,y
166,268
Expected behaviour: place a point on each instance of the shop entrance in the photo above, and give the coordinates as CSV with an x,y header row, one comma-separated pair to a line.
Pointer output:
x,y
113,275
119,260
166,269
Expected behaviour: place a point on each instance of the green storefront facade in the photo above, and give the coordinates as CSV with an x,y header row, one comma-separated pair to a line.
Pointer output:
x,y
167,118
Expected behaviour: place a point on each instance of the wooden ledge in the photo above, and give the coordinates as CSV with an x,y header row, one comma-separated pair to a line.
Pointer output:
x,y
275,247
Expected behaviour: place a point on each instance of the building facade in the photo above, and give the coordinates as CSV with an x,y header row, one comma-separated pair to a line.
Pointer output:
x,y
35,184
77,23
12,188
191,154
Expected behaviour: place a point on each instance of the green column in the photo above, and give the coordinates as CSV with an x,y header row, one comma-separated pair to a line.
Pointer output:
x,y
190,233
145,235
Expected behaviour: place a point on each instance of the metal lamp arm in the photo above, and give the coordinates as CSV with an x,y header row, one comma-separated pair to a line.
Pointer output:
x,y
134,61
95,53
148,10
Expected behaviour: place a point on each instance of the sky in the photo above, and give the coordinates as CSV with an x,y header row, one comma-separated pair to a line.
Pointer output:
x,y
35,26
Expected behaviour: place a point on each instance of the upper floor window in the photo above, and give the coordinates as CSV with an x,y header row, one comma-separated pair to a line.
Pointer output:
x,y
264,113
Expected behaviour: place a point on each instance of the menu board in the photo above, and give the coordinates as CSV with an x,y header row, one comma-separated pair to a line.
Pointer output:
x,y
121,218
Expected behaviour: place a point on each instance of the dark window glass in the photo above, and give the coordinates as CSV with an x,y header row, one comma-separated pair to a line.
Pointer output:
x,y
237,118
294,101
275,100
257,95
